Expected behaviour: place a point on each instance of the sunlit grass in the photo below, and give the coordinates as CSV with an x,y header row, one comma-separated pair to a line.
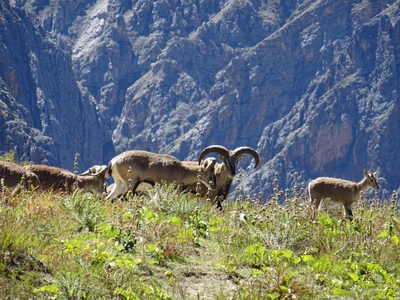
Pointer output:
x,y
162,245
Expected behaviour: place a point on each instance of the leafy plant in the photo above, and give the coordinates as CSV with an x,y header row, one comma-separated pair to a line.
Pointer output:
x,y
84,208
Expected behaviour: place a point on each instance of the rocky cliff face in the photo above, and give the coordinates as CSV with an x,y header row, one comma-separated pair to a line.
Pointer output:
x,y
312,85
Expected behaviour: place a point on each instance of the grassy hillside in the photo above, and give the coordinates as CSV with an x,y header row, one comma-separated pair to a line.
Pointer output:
x,y
164,246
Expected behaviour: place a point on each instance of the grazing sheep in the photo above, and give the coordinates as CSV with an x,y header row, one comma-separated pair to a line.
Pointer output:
x,y
340,191
130,168
57,179
16,176
224,172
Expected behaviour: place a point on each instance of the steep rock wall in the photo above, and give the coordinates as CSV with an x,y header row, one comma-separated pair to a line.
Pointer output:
x,y
312,85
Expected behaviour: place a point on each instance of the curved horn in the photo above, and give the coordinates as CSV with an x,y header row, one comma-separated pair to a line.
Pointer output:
x,y
87,172
95,170
247,150
214,148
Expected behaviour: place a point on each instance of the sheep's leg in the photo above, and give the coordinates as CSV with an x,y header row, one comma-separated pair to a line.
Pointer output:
x,y
133,185
348,212
120,188
219,203
316,203
113,193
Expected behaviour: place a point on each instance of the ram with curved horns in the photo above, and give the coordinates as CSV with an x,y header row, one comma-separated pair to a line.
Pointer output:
x,y
225,171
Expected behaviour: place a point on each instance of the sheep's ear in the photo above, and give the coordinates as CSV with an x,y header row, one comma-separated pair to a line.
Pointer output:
x,y
209,163
366,172
223,159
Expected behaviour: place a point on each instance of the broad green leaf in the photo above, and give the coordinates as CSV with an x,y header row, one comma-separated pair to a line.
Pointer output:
x,y
307,258
175,220
257,272
284,289
353,276
250,249
372,266
341,292
296,260
274,296
287,253
383,234
151,247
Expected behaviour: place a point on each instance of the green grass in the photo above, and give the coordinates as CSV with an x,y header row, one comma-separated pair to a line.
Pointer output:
x,y
164,246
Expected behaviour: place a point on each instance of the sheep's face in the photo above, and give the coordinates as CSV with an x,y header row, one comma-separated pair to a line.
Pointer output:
x,y
207,168
372,182
231,162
